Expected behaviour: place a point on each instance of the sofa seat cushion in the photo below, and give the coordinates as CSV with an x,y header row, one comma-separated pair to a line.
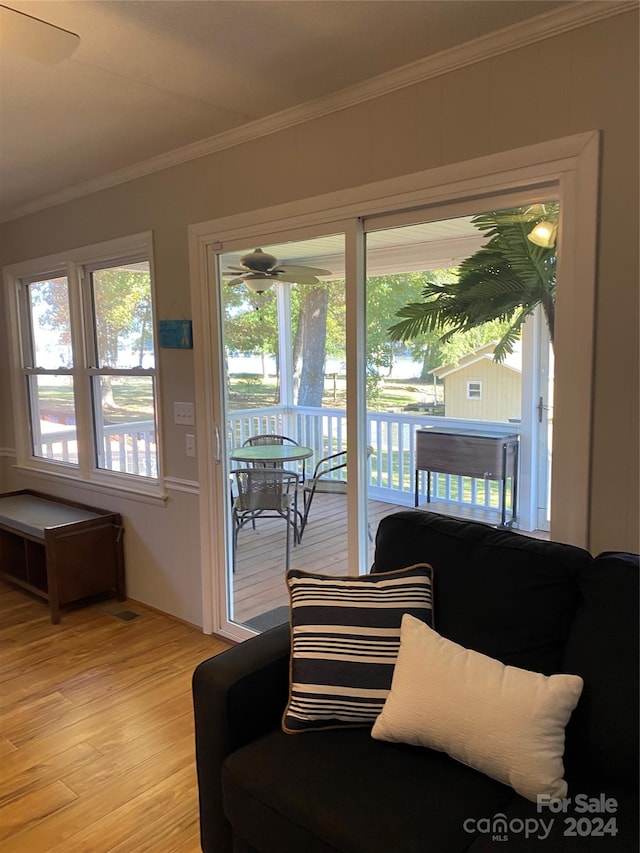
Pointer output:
x,y
497,592
342,791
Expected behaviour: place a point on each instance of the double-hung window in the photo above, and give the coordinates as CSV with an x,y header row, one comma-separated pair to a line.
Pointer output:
x,y
474,389
86,344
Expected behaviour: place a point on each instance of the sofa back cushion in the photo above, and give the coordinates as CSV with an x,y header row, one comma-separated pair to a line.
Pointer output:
x,y
602,647
498,592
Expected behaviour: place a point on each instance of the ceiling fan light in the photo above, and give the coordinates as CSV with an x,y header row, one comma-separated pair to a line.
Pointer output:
x,y
543,234
259,285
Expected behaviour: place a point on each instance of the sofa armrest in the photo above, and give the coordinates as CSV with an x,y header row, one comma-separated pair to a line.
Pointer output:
x,y
237,696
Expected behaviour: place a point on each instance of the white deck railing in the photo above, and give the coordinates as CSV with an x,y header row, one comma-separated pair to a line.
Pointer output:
x,y
128,448
391,476
131,448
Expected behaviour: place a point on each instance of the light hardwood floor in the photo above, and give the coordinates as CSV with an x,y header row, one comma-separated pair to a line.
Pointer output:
x,y
96,729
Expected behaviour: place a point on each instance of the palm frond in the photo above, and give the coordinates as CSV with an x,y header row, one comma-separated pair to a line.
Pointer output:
x,y
504,280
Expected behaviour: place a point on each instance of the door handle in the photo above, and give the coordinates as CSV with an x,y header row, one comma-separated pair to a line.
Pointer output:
x,y
542,409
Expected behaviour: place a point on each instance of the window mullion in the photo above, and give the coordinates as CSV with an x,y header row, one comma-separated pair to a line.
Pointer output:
x,y
80,335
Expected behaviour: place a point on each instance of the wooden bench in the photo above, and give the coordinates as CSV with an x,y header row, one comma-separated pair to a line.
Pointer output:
x,y
60,550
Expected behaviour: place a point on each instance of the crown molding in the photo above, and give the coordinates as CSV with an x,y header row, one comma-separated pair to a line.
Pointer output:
x,y
527,32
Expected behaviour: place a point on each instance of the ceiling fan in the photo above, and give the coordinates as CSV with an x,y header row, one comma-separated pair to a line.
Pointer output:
x,y
34,37
258,270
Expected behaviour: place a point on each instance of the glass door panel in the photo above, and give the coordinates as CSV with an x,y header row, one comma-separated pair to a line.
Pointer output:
x,y
432,376
283,343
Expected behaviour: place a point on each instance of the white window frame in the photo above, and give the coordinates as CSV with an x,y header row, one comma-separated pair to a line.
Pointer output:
x,y
474,393
73,264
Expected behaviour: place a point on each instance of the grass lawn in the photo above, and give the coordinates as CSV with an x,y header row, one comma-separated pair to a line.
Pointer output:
x,y
133,400
252,391
132,396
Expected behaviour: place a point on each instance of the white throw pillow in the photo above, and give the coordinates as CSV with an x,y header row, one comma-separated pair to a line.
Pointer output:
x,y
506,722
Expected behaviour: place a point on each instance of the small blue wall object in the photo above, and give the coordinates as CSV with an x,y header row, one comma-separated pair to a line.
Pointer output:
x,y
175,334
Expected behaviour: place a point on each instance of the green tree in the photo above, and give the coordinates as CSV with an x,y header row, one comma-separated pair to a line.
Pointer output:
x,y
251,321
121,300
386,295
122,305
122,310
503,281
462,343
318,330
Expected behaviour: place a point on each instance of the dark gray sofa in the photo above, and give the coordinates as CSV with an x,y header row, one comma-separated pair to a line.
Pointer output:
x,y
543,606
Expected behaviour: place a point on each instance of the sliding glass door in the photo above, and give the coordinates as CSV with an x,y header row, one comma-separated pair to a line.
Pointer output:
x,y
289,320
284,385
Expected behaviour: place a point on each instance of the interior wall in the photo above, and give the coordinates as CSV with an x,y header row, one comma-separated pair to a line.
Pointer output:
x,y
581,80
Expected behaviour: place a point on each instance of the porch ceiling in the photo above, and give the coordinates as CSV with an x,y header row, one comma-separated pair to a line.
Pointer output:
x,y
427,245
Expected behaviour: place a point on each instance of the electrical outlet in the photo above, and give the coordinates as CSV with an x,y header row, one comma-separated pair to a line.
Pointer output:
x,y
190,445
183,414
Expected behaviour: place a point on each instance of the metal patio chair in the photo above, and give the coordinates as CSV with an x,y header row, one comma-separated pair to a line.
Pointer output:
x,y
324,482
265,493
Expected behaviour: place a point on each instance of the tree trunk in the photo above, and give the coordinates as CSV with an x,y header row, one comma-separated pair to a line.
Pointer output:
x,y
391,361
143,334
314,340
106,392
426,364
297,352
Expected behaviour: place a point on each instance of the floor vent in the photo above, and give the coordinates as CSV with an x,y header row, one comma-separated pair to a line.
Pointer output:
x,y
126,615
115,609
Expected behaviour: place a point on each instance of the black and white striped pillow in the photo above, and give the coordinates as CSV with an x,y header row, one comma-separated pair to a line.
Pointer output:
x,y
345,641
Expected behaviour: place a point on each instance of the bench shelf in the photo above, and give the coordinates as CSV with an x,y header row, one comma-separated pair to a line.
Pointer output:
x,y
60,550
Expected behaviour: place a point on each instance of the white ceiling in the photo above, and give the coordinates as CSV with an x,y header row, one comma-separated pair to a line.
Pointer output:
x,y
151,76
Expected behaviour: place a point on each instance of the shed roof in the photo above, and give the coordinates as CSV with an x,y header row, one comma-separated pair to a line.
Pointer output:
x,y
513,361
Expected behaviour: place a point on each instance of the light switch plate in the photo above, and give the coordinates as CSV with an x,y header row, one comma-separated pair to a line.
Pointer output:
x,y
183,414
190,446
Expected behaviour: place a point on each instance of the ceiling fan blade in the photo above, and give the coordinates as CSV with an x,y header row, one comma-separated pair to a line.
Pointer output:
x,y
235,270
292,269
299,279
248,277
35,38
235,281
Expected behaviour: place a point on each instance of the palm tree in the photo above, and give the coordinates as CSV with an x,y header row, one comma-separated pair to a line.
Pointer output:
x,y
505,280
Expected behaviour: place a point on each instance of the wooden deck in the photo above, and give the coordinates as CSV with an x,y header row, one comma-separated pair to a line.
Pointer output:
x,y
259,579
